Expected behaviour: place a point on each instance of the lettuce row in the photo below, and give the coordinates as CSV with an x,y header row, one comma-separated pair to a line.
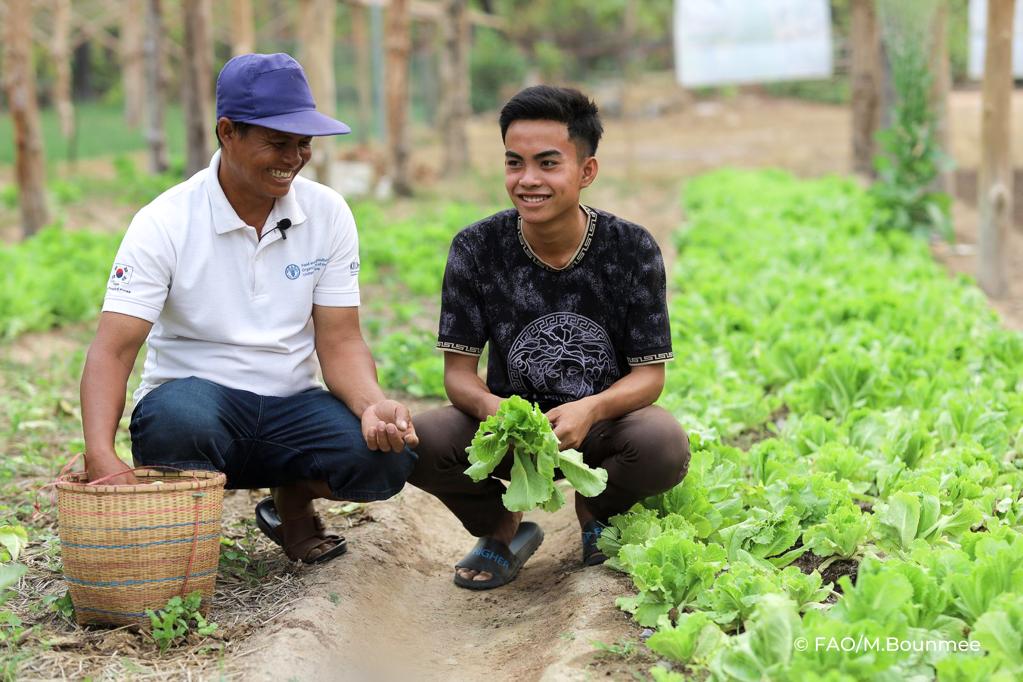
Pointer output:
x,y
878,406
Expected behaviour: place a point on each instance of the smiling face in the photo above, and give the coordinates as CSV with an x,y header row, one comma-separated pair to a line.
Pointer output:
x,y
544,172
258,165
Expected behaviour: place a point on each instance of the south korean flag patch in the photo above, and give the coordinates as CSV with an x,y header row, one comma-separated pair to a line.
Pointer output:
x,y
121,274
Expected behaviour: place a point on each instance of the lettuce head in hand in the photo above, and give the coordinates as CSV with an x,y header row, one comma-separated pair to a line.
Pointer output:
x,y
520,430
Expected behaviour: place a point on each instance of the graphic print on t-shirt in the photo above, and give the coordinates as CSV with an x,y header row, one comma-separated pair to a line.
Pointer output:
x,y
562,356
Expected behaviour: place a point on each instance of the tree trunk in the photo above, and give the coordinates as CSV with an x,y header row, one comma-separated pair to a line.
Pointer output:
x,y
627,57
19,86
197,83
398,48
377,59
155,88
133,63
454,86
317,19
941,84
243,28
363,68
994,187
866,76
62,67
424,47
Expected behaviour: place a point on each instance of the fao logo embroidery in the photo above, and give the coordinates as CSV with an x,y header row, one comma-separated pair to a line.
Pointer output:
x,y
292,271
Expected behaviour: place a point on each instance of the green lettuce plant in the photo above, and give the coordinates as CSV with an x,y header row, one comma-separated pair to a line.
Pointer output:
x,y
841,535
521,430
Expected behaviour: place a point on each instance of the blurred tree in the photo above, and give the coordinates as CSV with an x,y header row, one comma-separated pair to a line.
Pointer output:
x,y
912,158
133,63
197,83
399,37
865,74
573,37
61,51
243,28
995,183
19,87
363,68
498,68
941,84
959,39
155,85
454,76
317,19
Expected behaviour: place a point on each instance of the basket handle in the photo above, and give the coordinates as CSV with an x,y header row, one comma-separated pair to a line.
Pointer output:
x,y
99,481
66,471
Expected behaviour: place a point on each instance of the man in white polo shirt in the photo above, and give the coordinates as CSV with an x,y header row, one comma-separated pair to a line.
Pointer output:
x,y
236,276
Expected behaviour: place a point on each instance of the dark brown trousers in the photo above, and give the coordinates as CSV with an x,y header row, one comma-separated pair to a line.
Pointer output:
x,y
645,452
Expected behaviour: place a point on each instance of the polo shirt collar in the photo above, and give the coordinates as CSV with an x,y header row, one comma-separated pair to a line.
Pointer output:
x,y
225,218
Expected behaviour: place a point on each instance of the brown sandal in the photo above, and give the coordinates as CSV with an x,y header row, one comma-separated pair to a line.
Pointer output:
x,y
298,537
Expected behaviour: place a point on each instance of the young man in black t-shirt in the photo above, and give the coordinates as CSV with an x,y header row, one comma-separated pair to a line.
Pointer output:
x,y
571,301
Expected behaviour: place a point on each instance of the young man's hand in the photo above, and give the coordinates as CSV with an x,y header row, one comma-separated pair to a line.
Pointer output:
x,y
571,422
110,469
387,426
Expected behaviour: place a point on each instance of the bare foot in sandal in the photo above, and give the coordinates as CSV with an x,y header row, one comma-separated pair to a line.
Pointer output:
x,y
290,520
505,532
305,539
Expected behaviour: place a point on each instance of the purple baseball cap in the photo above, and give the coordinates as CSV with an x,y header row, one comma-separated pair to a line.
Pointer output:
x,y
271,90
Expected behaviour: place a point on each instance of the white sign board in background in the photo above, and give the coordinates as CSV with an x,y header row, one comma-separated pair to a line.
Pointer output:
x,y
978,39
719,42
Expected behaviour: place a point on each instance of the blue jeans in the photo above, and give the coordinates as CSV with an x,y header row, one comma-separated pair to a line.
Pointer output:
x,y
264,441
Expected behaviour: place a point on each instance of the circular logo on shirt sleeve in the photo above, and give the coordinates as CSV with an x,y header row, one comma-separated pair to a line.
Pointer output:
x,y
292,271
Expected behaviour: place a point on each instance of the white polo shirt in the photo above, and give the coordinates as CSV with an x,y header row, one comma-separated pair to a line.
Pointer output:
x,y
226,306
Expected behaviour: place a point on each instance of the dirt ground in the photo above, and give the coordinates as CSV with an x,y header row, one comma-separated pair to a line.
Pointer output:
x,y
388,610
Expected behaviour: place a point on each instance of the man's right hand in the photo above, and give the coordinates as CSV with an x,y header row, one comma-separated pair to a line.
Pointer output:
x,y
104,384
111,466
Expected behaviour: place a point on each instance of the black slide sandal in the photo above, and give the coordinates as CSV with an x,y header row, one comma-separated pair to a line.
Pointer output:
x,y
501,561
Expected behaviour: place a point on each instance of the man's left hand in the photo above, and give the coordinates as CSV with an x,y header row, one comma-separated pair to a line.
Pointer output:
x,y
571,422
387,426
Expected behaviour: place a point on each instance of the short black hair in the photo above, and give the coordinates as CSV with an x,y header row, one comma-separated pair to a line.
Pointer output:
x,y
241,128
548,103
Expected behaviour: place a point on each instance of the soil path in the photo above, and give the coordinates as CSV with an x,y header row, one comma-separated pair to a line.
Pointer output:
x,y
388,609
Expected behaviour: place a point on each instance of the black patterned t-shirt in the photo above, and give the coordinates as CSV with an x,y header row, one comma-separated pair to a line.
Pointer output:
x,y
555,335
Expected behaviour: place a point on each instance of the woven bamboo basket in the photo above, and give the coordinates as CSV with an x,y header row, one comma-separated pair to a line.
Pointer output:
x,y
128,548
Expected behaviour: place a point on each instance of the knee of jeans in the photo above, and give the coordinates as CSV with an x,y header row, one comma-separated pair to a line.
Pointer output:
x,y
180,421
434,465
666,460
394,469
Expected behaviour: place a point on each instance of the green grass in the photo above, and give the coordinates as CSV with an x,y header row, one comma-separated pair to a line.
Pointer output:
x,y
102,131
826,91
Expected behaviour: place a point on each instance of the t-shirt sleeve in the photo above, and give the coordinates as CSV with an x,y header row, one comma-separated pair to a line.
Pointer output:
x,y
338,286
649,333
462,325
143,270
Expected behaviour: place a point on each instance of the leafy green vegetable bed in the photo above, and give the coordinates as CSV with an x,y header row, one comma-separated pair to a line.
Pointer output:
x,y
883,401
53,278
408,256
